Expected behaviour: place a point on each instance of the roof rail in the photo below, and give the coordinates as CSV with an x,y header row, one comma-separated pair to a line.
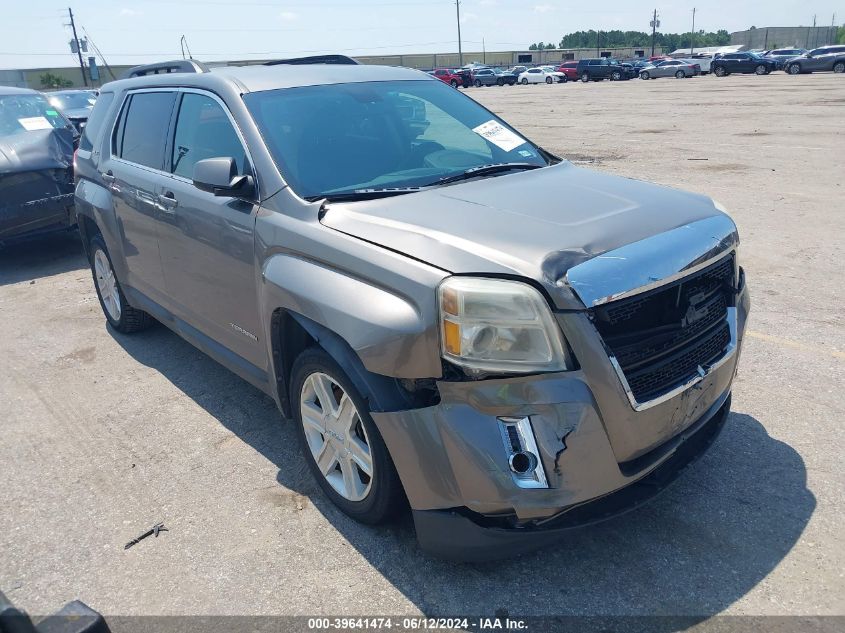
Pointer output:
x,y
162,68
315,59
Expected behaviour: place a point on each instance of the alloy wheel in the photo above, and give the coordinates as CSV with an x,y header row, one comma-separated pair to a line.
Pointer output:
x,y
336,436
107,285
839,67
760,70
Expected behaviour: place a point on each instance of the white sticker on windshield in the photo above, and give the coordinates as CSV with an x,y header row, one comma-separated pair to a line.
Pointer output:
x,y
499,135
35,123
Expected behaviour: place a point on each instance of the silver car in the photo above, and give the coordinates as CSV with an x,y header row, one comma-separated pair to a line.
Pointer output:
x,y
668,68
396,267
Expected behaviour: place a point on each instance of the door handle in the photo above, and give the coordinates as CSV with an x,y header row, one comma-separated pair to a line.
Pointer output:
x,y
168,202
108,177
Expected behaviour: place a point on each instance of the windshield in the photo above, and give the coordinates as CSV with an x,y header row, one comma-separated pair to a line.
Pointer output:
x,y
72,100
27,113
394,134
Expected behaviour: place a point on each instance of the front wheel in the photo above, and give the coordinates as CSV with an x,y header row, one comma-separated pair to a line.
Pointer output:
x,y
500,82
564,79
839,67
680,74
340,441
548,80
793,69
478,83
719,71
585,77
761,69
120,315
616,76
644,75
453,83
524,81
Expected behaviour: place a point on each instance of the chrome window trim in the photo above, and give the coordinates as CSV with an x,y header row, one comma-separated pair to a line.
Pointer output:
x,y
701,375
177,90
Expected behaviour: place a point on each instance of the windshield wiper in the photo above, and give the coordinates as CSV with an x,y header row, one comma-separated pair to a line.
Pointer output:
x,y
363,194
486,170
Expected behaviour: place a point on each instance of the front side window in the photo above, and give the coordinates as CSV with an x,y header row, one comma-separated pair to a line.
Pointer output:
x,y
140,136
342,138
95,121
203,130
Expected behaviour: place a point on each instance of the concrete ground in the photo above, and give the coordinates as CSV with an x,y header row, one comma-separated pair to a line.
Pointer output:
x,y
102,435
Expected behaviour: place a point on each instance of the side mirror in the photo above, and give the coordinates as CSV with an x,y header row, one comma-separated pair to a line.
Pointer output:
x,y
219,176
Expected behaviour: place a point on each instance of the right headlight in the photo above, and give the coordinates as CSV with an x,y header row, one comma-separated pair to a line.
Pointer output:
x,y
498,325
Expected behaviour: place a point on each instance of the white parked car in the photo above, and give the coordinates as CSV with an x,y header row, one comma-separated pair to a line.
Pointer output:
x,y
536,76
559,76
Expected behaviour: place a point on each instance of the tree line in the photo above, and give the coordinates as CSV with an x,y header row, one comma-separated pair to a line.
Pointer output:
x,y
636,39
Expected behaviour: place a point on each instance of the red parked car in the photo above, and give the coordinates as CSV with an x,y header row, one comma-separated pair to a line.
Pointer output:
x,y
448,76
569,69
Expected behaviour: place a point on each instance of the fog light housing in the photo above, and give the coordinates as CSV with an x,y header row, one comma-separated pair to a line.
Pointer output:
x,y
522,454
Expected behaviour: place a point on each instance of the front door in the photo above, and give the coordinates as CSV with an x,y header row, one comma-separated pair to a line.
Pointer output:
x,y
133,173
207,243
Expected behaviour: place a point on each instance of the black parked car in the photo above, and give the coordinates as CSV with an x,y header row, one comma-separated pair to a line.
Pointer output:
x,y
742,63
819,59
783,55
76,105
602,68
36,165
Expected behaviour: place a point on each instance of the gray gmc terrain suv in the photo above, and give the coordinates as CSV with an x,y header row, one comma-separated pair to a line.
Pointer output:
x,y
450,314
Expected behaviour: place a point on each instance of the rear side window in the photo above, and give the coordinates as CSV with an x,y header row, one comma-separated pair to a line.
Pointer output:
x,y
95,121
203,130
142,131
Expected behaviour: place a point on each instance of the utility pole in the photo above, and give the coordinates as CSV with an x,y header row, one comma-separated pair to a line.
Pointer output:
x,y
460,47
598,47
78,48
815,35
484,51
692,33
655,23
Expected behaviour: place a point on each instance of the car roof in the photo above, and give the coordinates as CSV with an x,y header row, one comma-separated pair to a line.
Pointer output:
x,y
12,90
259,77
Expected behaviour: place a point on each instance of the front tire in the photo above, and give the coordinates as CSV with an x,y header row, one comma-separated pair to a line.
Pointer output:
x,y
719,71
453,83
839,67
340,441
793,69
477,83
524,81
119,314
680,74
761,69
616,76
585,77
564,79
644,75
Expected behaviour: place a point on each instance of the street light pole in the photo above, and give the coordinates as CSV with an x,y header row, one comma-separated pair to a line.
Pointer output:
x,y
460,48
692,33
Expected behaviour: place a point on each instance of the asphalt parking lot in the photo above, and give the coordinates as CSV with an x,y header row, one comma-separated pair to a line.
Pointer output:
x,y
104,434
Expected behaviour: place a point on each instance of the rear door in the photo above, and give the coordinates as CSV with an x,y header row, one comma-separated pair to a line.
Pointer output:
x,y
207,242
133,172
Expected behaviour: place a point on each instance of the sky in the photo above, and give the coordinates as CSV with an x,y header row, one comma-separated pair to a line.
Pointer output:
x,y
34,33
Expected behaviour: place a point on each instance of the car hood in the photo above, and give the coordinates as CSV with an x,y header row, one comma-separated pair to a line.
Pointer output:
x,y
540,224
35,150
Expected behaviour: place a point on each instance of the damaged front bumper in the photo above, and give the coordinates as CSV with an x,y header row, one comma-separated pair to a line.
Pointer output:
x,y
598,455
35,202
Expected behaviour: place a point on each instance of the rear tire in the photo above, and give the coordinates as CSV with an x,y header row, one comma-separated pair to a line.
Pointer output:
x,y
500,82
346,453
119,314
680,74
839,67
